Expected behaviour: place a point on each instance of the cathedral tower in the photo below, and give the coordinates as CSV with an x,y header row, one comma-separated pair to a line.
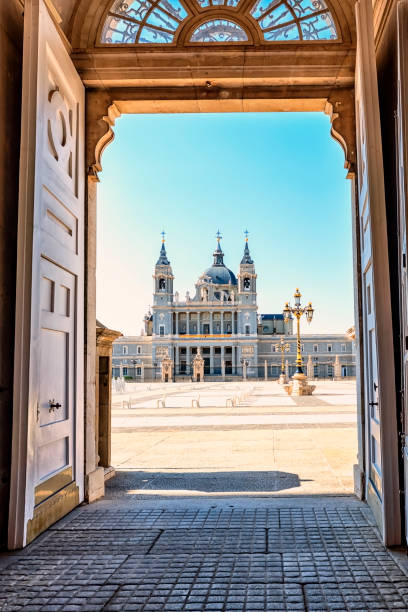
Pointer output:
x,y
163,293
247,277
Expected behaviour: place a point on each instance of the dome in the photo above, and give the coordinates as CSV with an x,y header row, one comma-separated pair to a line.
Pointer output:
x,y
219,275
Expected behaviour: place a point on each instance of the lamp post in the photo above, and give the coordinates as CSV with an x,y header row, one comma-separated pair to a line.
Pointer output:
x,y
283,347
299,385
298,312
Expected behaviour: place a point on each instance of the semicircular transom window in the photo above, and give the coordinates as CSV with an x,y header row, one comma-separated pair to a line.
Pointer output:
x,y
209,3
143,21
219,31
285,20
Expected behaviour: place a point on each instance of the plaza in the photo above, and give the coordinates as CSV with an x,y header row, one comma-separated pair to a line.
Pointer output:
x,y
267,444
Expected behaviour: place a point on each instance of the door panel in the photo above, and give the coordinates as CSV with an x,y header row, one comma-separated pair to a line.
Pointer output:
x,y
402,159
47,461
379,373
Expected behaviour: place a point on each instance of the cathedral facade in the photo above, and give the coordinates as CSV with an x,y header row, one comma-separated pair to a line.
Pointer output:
x,y
221,321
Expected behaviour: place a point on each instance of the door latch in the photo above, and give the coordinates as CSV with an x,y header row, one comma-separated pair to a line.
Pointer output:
x,y
53,405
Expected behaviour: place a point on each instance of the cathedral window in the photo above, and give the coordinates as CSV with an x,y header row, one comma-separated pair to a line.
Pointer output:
x,y
125,371
247,284
161,330
343,348
138,350
125,350
247,330
138,371
219,31
162,284
329,348
286,20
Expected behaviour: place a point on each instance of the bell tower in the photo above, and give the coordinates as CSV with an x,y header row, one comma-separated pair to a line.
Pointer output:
x,y
163,278
247,277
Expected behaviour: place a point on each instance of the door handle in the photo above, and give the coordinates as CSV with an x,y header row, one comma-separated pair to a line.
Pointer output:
x,y
373,403
53,405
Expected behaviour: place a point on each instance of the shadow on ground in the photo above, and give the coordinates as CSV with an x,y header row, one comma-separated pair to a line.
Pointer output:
x,y
164,483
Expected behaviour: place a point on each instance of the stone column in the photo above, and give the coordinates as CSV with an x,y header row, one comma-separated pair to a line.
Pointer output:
x,y
266,370
142,377
223,362
177,323
177,357
211,360
187,322
287,369
211,323
233,365
188,360
198,322
337,368
310,368
222,322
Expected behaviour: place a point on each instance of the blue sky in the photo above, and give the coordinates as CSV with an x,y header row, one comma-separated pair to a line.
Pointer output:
x,y
278,174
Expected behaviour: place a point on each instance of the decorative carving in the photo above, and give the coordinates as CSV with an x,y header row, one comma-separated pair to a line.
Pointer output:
x,y
340,107
60,130
101,115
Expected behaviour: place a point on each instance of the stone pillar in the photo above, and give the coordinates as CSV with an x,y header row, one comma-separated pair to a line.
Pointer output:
x,y
188,360
211,323
310,368
177,323
337,368
198,322
211,360
233,366
244,370
143,375
223,362
103,401
266,370
187,322
177,358
287,369
222,322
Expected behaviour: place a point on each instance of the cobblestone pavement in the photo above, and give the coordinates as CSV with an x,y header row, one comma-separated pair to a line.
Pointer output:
x,y
315,553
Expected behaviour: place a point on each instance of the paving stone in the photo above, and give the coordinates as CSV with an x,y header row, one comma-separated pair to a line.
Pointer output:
x,y
223,558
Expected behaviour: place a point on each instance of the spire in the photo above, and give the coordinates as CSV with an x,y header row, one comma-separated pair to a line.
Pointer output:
x,y
218,254
247,257
163,261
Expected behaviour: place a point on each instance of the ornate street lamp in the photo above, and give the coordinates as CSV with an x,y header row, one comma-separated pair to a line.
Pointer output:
x,y
298,311
283,347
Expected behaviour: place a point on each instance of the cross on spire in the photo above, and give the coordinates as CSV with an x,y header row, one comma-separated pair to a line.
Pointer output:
x,y
218,236
163,233
246,235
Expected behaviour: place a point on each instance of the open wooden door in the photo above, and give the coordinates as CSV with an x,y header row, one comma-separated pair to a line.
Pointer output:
x,y
402,157
47,455
382,486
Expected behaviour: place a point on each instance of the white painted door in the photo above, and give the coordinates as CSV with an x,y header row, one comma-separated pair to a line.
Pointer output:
x,y
379,392
48,392
402,156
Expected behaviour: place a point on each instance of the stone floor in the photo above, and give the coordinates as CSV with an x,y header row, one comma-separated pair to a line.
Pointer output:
x,y
312,553
212,509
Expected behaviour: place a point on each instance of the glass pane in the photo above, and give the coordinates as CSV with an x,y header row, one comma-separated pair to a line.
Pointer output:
x,y
282,34
174,8
150,35
158,18
219,30
203,3
319,27
279,15
119,31
306,7
136,9
262,6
